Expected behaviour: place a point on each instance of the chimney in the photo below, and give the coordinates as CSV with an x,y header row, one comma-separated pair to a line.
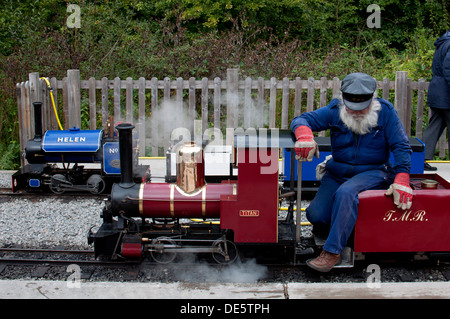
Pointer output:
x,y
37,120
126,154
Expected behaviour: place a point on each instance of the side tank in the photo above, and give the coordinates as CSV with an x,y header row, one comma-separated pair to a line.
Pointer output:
x,y
68,146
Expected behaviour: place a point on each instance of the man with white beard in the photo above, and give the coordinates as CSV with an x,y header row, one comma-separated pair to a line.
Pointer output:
x,y
364,130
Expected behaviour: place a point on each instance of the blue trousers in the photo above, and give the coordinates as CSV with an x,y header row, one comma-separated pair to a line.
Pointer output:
x,y
336,204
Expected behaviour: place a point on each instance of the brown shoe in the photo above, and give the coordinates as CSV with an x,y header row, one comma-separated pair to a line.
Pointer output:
x,y
324,262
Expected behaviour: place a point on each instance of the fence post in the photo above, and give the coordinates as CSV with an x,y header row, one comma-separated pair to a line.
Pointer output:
x,y
401,95
420,108
35,88
232,97
74,98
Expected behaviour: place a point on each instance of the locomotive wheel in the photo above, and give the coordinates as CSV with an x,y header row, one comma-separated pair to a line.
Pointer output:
x,y
161,254
227,252
96,184
56,182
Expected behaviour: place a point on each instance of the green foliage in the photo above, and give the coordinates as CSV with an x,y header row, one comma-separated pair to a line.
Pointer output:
x,y
202,38
416,58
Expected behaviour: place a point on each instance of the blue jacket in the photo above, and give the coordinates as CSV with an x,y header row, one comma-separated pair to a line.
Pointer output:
x,y
439,89
353,154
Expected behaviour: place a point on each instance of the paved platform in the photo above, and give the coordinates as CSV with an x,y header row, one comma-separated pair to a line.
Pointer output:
x,y
443,169
38,289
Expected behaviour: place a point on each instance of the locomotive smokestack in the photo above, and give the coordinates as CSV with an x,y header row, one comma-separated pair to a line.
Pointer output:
x,y
126,154
37,120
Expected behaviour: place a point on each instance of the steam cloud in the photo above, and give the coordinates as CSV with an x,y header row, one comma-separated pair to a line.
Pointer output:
x,y
171,115
237,272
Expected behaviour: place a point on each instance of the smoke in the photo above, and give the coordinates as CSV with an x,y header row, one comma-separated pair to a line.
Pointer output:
x,y
246,110
172,120
238,272
169,121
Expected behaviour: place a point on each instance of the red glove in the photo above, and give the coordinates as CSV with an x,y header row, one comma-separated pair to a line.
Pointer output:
x,y
305,147
401,191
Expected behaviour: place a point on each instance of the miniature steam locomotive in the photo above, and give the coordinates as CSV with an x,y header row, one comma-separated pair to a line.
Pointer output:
x,y
65,147
241,215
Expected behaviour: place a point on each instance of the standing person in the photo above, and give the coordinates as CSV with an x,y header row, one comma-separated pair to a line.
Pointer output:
x,y
363,130
438,98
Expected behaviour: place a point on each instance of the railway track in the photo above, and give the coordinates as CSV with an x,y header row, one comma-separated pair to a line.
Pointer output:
x,y
41,256
6,192
59,264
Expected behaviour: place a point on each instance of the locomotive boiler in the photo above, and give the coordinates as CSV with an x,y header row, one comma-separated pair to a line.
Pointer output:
x,y
50,155
242,215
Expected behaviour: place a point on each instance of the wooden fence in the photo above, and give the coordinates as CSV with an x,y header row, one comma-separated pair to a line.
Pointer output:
x,y
157,106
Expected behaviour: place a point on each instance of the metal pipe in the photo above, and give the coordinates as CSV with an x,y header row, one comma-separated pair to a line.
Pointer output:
x,y
126,154
299,201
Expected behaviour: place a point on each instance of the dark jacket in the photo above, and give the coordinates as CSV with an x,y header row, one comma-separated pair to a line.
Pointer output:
x,y
439,89
355,154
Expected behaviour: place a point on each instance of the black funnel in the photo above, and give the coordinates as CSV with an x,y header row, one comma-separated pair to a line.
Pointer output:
x,y
37,120
126,154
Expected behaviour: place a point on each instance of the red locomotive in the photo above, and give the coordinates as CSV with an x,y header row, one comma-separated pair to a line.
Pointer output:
x,y
242,214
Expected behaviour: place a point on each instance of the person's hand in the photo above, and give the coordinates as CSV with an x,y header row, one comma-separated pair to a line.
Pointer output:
x,y
401,191
305,147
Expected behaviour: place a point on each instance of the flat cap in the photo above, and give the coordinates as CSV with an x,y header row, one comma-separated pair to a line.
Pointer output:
x,y
357,90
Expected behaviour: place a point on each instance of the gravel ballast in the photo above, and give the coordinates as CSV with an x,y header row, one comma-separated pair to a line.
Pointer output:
x,y
48,222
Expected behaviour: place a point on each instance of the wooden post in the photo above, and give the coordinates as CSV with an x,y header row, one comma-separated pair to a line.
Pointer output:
x,y
141,120
248,103
336,87
323,96
129,100
260,109
35,88
232,97
217,101
285,104
192,108
117,117
386,86
401,95
105,110
273,102
298,97
35,96
204,104
310,97
92,105
154,110
420,107
74,98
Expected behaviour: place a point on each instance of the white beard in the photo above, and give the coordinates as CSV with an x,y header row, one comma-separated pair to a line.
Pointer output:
x,y
361,124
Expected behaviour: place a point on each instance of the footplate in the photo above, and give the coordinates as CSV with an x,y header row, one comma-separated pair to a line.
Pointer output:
x,y
347,258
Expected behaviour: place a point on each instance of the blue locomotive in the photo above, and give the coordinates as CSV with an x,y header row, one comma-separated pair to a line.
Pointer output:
x,y
71,160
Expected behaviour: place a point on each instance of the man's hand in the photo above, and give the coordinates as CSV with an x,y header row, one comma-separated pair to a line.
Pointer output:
x,y
401,191
305,147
